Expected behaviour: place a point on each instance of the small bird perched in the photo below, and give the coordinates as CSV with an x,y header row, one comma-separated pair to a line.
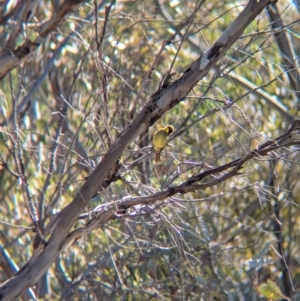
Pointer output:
x,y
159,141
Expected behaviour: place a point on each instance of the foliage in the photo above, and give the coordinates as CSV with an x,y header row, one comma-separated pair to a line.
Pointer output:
x,y
66,103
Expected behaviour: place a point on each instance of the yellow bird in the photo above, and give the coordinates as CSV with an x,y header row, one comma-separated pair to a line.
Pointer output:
x,y
159,141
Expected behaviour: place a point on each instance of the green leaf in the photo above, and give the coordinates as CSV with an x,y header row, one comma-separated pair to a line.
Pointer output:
x,y
271,291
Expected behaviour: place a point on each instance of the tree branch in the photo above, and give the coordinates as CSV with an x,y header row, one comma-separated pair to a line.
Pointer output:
x,y
11,58
160,102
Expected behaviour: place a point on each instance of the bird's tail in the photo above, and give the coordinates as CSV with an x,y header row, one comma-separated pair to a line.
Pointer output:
x,y
157,159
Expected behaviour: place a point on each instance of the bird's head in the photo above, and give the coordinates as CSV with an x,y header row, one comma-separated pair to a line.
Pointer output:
x,y
169,129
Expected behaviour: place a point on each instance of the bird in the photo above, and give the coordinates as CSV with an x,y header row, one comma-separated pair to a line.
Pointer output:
x,y
159,141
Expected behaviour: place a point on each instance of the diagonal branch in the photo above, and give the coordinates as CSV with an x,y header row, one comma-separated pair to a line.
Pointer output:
x,y
11,58
160,102
113,210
